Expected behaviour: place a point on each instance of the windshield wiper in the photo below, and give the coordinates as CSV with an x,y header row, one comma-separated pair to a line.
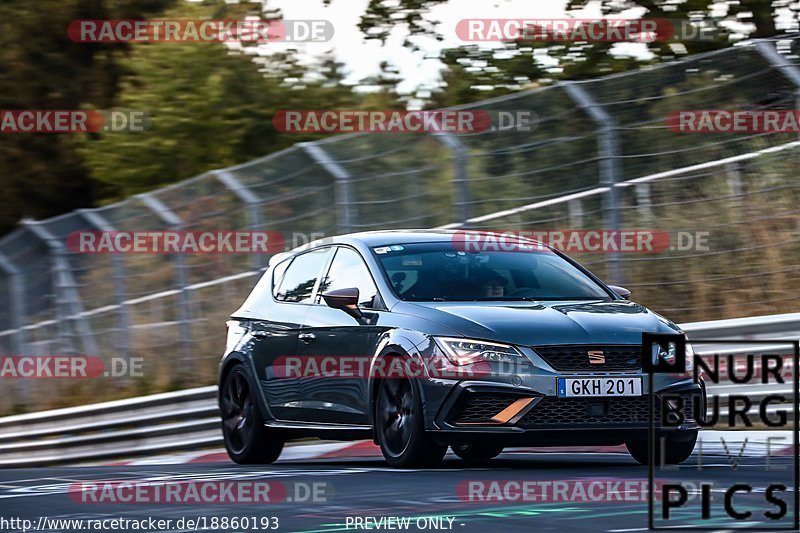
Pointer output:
x,y
514,299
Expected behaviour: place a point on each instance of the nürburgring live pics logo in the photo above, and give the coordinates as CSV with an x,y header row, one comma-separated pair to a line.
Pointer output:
x,y
735,492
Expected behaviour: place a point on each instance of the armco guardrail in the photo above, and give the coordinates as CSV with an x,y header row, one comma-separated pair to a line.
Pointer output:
x,y
188,419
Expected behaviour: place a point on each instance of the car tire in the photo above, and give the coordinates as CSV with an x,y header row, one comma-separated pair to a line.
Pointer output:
x,y
474,452
677,448
400,428
247,440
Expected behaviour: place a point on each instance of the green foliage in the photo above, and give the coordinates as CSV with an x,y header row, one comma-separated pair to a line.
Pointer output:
x,y
475,72
40,68
212,106
382,17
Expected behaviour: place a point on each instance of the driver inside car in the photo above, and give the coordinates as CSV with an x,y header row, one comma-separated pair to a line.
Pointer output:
x,y
492,285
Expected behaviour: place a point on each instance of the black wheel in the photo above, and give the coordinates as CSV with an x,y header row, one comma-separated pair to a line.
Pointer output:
x,y
246,439
677,448
400,428
476,451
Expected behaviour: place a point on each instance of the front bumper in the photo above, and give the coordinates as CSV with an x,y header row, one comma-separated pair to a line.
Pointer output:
x,y
484,410
522,402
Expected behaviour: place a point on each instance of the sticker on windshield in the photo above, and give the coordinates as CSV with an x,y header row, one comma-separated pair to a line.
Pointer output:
x,y
413,260
386,249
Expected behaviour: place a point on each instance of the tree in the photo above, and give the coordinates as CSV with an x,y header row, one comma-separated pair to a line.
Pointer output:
x,y
382,17
40,68
210,107
474,71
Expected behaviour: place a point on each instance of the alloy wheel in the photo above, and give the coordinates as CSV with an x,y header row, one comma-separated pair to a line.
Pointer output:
x,y
237,411
396,411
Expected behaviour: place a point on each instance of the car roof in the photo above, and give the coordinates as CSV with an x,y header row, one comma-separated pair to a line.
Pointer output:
x,y
371,239
406,236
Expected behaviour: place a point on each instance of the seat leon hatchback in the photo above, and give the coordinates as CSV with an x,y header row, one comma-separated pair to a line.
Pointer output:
x,y
424,340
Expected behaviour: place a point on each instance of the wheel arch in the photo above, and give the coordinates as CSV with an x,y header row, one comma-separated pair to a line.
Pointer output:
x,y
392,345
237,358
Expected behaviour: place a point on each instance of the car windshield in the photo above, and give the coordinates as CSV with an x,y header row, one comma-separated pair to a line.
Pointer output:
x,y
441,272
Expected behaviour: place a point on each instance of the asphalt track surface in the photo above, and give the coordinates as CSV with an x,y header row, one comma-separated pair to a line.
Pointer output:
x,y
366,487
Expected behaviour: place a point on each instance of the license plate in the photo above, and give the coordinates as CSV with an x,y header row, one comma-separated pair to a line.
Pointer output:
x,y
592,387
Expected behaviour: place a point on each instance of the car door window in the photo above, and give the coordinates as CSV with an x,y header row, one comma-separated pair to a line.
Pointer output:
x,y
300,277
348,270
277,276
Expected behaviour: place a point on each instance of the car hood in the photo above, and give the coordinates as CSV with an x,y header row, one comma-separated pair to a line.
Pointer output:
x,y
543,323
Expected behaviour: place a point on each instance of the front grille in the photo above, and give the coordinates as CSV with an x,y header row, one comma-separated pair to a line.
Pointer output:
x,y
575,358
569,412
482,407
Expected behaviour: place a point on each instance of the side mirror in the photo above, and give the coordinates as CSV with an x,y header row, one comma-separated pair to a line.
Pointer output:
x,y
621,291
344,299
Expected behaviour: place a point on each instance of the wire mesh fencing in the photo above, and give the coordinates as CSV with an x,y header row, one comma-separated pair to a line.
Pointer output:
x,y
597,155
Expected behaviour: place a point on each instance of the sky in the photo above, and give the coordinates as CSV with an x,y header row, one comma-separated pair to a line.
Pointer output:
x,y
417,69
421,69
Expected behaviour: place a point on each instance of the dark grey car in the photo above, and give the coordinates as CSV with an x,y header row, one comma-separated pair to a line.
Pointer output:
x,y
409,339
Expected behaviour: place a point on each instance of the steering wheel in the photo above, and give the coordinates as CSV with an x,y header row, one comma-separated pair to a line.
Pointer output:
x,y
524,292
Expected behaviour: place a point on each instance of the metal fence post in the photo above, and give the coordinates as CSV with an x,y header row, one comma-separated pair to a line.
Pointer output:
x,y
119,281
344,189
17,303
608,148
238,189
460,176
786,67
16,316
733,173
644,200
575,211
172,220
69,306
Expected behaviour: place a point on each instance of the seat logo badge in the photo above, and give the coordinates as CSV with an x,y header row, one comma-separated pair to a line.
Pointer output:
x,y
596,357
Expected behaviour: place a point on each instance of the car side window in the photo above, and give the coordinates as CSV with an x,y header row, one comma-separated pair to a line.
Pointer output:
x,y
300,277
348,270
277,276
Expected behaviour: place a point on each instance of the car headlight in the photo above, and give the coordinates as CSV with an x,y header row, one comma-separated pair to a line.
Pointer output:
x,y
669,355
689,358
467,351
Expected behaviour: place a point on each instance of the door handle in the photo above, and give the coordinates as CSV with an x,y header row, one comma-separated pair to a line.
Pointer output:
x,y
260,333
306,337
